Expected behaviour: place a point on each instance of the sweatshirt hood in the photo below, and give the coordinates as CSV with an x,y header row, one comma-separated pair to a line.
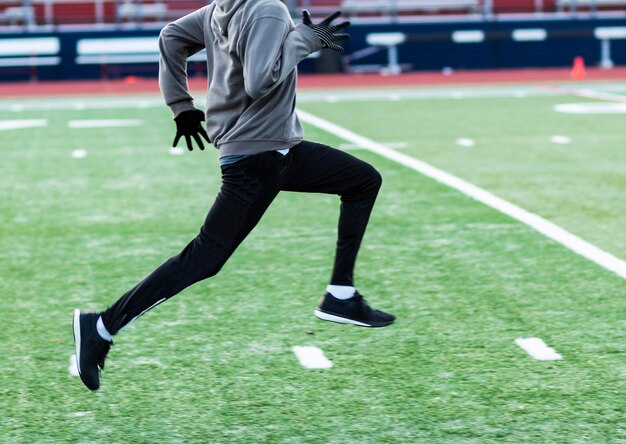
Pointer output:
x,y
224,12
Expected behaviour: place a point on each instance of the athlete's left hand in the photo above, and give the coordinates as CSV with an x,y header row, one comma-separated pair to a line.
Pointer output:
x,y
327,33
189,124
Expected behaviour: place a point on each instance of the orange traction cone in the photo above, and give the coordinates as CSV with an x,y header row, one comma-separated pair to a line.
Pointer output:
x,y
578,69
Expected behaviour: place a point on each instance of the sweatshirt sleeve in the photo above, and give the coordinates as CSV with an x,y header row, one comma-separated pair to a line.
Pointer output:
x,y
178,41
270,50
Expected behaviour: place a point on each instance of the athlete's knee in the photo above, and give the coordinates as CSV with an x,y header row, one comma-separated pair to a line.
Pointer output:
x,y
376,178
372,180
366,188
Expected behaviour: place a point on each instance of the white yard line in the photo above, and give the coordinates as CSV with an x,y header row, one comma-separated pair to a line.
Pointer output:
x,y
589,94
543,226
538,349
316,96
311,357
590,108
51,104
304,96
103,123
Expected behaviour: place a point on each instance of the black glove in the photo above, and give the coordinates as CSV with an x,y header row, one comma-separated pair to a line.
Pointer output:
x,y
326,32
189,124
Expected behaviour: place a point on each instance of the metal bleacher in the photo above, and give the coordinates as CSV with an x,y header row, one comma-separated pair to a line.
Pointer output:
x,y
61,13
387,7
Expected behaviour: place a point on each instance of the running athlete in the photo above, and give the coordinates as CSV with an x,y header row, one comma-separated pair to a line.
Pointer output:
x,y
253,49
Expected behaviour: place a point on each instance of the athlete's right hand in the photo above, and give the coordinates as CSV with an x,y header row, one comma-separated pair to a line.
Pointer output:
x,y
189,124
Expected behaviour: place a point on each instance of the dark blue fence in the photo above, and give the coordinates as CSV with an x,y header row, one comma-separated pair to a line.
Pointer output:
x,y
428,47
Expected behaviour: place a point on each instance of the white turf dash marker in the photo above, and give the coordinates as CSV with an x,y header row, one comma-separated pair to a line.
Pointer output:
x,y
73,368
590,108
538,349
19,124
465,142
79,154
543,226
113,123
176,151
561,140
79,414
311,357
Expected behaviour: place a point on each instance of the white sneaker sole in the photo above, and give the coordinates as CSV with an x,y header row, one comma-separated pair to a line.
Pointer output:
x,y
332,318
76,325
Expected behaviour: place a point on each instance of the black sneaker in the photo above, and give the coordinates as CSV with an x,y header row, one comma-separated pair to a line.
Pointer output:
x,y
353,311
91,349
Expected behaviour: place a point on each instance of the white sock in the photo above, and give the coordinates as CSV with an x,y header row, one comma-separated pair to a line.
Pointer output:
x,y
341,291
102,330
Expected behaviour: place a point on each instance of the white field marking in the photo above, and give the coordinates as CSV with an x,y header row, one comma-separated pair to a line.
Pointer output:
x,y
19,124
176,151
79,154
465,142
590,94
304,96
538,349
73,368
590,108
561,140
81,104
393,145
110,123
543,226
79,414
311,357
435,93
149,361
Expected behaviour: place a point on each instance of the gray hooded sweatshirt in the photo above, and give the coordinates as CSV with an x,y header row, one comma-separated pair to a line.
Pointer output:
x,y
253,48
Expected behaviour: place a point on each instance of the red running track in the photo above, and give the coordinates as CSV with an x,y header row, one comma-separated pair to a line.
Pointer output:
x,y
137,85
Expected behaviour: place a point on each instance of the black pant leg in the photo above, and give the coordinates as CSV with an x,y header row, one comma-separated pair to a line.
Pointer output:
x,y
248,188
319,168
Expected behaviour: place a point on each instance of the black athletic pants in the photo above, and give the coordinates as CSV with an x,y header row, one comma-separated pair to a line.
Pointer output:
x,y
248,187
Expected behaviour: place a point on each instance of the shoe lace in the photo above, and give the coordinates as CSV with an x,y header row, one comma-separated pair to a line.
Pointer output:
x,y
360,301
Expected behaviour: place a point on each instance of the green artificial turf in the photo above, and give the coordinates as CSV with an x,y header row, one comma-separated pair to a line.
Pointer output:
x,y
214,364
